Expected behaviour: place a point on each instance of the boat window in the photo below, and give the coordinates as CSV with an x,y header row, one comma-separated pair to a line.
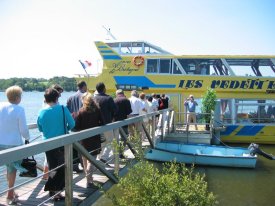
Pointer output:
x,y
114,46
176,69
126,47
152,65
204,68
148,49
226,110
137,48
195,66
255,111
165,65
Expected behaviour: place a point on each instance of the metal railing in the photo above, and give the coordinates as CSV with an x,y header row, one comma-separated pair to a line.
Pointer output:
x,y
70,141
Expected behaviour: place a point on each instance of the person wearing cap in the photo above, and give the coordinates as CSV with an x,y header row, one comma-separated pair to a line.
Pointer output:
x,y
123,110
190,105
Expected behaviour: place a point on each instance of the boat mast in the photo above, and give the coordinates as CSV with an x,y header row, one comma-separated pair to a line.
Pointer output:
x,y
109,34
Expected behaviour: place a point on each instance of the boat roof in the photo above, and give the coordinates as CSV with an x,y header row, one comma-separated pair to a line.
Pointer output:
x,y
141,47
151,48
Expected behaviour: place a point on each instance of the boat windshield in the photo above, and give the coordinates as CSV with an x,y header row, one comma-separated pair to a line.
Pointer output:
x,y
183,65
134,48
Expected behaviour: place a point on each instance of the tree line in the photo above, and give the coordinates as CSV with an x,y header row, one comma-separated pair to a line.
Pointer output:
x,y
40,84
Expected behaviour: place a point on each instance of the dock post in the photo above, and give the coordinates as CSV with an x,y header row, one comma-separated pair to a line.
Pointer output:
x,y
217,119
68,152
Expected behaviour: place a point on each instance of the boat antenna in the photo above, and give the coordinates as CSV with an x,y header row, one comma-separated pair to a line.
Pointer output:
x,y
109,34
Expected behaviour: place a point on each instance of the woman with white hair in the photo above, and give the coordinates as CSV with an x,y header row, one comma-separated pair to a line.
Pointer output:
x,y
13,127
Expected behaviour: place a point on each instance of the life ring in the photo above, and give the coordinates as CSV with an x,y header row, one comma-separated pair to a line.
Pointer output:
x,y
138,60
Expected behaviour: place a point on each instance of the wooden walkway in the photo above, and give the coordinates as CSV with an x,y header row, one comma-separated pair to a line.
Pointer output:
x,y
33,193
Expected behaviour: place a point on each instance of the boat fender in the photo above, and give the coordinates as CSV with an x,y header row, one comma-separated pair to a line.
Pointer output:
x,y
138,60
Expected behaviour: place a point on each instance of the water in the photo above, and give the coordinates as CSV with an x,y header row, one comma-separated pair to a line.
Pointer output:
x,y
32,102
251,187
233,186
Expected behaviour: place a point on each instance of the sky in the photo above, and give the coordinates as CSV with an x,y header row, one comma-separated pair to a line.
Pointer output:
x,y
46,38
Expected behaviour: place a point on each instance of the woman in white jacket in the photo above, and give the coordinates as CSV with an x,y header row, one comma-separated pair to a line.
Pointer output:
x,y
13,127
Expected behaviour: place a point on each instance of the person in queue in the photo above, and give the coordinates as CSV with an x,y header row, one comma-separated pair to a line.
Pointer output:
x,y
191,104
123,110
74,103
89,116
151,109
13,127
108,109
145,105
165,101
46,168
137,107
51,123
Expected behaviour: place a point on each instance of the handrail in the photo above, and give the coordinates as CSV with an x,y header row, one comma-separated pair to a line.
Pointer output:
x,y
69,140
16,153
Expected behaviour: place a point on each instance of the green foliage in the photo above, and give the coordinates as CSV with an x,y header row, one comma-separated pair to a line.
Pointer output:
x,y
208,103
33,84
146,185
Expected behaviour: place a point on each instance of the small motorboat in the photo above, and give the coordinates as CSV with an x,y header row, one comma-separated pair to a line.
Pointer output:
x,y
202,154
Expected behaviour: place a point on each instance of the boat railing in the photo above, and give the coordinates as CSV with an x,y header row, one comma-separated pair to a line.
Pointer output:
x,y
70,141
183,125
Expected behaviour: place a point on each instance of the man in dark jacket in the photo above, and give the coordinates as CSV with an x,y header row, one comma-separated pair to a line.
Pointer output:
x,y
108,110
123,110
74,103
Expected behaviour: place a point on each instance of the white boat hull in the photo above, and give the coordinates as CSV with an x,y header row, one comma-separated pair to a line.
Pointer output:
x,y
202,155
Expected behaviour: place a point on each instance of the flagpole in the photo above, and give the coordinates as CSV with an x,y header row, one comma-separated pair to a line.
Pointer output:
x,y
84,67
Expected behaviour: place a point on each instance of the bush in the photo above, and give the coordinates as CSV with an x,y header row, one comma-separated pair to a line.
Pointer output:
x,y
146,185
208,103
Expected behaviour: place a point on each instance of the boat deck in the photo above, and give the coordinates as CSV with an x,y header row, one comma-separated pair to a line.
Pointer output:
x,y
200,136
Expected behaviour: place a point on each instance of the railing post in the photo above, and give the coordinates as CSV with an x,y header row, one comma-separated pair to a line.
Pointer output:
x,y
162,126
168,121
68,153
116,150
153,131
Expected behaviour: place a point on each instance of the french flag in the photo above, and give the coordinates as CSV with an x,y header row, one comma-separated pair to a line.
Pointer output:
x,y
85,64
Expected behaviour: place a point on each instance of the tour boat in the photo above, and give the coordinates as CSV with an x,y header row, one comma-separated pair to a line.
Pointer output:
x,y
245,84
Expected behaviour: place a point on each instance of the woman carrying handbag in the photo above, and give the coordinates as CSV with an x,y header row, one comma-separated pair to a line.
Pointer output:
x,y
53,121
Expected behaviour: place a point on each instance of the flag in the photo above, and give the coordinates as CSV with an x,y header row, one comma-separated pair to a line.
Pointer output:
x,y
85,64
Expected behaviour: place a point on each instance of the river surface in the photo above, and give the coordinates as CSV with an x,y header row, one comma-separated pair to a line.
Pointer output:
x,y
233,186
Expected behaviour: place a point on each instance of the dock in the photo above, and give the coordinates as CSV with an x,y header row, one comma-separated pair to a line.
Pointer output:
x,y
31,190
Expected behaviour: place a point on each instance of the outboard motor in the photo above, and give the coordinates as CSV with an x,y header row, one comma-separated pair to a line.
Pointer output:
x,y
254,149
